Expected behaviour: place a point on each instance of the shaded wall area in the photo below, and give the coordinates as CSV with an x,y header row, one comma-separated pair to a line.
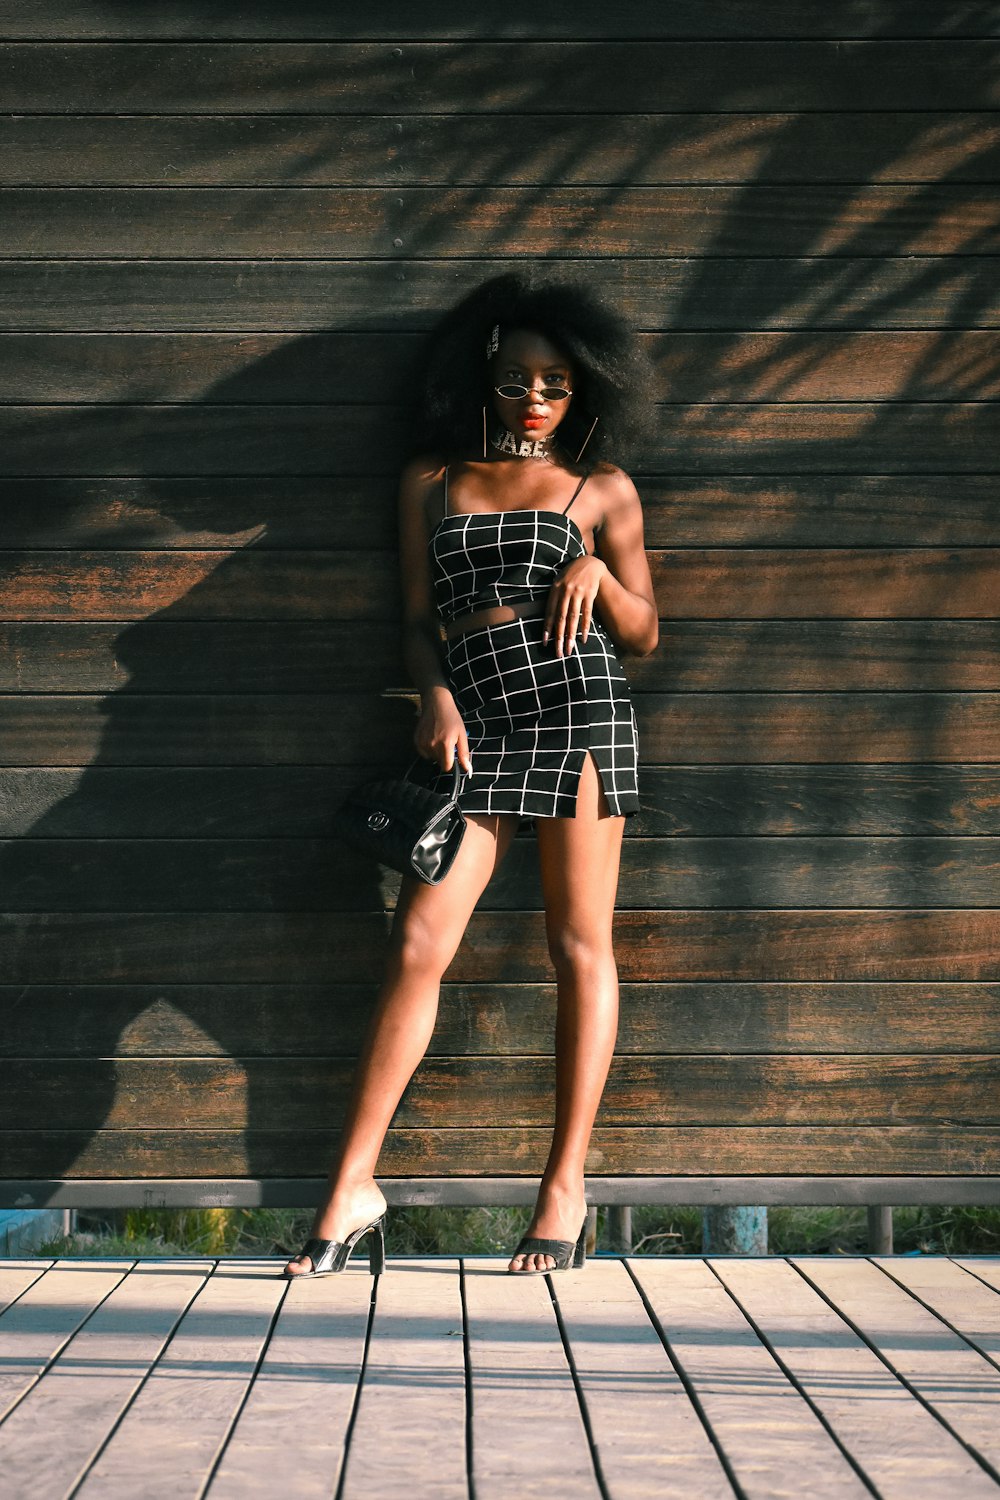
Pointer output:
x,y
223,235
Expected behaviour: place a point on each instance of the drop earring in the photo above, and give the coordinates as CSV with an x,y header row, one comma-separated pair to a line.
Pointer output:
x,y
586,439
484,431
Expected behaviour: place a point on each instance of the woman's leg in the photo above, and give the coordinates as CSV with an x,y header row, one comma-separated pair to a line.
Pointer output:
x,y
579,860
428,925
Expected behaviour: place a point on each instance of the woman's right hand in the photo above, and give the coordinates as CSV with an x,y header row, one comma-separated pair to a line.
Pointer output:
x,y
440,733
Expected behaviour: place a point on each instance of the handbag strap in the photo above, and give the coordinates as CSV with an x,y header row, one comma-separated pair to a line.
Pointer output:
x,y
457,776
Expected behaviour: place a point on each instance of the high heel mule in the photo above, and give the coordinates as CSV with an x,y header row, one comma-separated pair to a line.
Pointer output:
x,y
330,1256
563,1252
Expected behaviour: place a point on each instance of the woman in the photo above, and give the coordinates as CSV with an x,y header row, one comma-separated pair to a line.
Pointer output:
x,y
529,391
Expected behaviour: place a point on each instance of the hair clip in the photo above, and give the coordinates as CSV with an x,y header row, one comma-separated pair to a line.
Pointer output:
x,y
494,341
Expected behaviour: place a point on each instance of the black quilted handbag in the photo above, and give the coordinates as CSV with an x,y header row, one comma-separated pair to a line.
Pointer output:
x,y
405,825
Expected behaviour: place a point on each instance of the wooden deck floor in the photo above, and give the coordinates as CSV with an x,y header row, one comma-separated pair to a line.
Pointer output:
x,y
807,1376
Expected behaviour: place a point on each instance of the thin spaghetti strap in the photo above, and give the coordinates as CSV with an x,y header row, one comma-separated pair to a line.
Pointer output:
x,y
579,487
445,512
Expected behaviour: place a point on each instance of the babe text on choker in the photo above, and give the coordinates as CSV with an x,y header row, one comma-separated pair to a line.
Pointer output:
x,y
506,442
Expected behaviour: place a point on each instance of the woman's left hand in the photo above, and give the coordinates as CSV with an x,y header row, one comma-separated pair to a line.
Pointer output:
x,y
571,602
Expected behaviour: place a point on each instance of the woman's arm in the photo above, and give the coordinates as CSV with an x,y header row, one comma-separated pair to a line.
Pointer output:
x,y
615,582
440,733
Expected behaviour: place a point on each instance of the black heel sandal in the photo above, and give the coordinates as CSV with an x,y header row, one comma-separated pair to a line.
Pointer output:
x,y
330,1256
563,1252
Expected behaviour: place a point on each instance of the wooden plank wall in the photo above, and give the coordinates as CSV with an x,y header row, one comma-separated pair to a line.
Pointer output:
x,y
223,229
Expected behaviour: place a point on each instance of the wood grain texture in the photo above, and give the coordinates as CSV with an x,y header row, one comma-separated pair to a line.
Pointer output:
x,y
691,583
505,1092
97,1376
405,223
929,1150
326,729
849,1384
660,291
331,367
278,512
309,874
959,1386
291,947
313,1359
215,150
300,656
282,802
225,1331
496,76
78,1020
312,19
224,236
766,438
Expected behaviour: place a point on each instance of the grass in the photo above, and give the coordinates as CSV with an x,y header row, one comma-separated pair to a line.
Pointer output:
x,y
494,1231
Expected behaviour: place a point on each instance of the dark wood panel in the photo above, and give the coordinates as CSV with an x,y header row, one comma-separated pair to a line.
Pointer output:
x,y
310,874
860,290
771,438
249,656
927,1150
406,223
393,19
568,76
377,367
784,583
290,1093
292,947
251,1020
422,150
733,510
102,801
684,729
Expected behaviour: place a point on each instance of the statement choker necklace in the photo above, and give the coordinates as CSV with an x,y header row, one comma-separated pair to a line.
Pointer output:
x,y
506,442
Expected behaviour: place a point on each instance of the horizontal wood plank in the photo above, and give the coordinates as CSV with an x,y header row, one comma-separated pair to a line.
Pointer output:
x,y
927,1151
496,77
275,512
490,1018
297,947
325,729
280,802
313,20
496,1092
401,224
301,656
226,439
310,874
809,365
674,293
413,151
689,583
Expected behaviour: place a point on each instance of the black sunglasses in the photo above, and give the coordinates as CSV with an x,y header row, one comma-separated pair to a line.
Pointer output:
x,y
549,392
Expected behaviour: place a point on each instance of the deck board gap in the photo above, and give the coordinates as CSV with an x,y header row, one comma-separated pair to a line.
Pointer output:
x,y
936,1313
908,1384
595,1457
796,1383
685,1380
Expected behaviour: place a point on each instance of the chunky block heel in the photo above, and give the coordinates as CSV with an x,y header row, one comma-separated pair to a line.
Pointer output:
x,y
331,1256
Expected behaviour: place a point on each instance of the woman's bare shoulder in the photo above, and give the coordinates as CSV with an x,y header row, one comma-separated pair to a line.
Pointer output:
x,y
422,470
614,488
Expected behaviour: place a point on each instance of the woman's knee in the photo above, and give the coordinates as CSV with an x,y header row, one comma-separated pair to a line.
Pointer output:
x,y
579,948
422,946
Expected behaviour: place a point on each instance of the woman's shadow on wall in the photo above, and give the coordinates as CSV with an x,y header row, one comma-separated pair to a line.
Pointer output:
x,y
197,1012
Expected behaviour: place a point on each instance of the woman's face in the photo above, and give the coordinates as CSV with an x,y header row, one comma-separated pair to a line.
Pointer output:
x,y
527,358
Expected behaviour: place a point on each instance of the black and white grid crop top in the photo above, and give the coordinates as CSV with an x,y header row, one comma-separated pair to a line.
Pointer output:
x,y
499,556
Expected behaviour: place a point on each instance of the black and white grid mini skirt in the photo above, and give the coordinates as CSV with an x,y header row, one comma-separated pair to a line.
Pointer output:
x,y
531,715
